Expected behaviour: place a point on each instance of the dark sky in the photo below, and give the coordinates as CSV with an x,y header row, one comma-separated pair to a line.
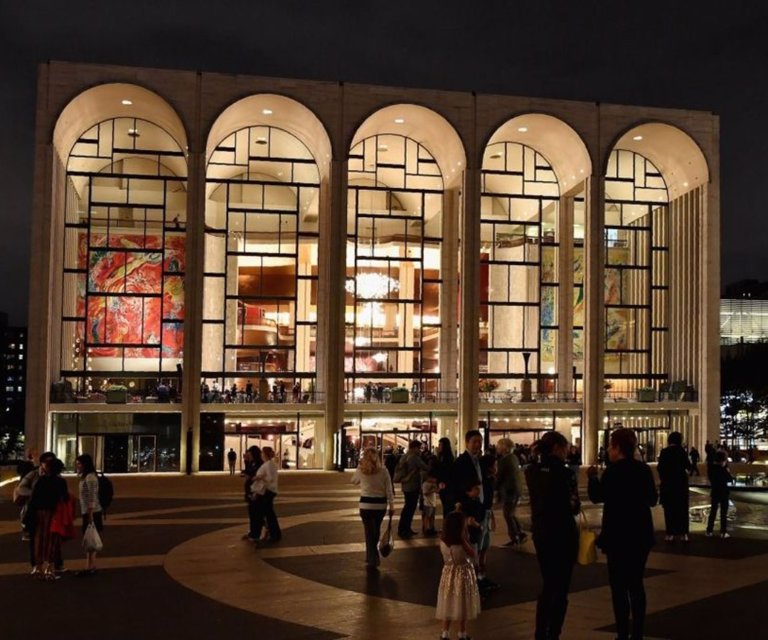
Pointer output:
x,y
675,54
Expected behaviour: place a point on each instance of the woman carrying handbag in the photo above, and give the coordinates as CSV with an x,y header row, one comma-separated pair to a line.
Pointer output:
x,y
90,508
375,495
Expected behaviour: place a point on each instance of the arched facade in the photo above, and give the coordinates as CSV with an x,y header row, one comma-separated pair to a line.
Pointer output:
x,y
323,267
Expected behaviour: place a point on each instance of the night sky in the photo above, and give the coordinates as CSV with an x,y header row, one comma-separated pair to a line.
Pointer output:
x,y
671,54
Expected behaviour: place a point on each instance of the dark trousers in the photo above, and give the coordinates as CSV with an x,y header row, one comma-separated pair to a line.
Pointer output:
x,y
513,525
676,505
372,519
255,518
720,502
625,574
409,508
265,514
556,558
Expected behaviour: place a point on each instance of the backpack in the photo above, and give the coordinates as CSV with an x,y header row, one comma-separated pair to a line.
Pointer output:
x,y
106,492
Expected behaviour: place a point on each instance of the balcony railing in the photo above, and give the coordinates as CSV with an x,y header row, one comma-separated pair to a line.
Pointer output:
x,y
241,398
508,396
399,395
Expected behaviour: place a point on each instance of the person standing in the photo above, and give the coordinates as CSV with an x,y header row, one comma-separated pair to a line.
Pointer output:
x,y
50,489
408,474
443,467
628,491
231,459
673,468
719,478
466,470
554,496
90,508
376,495
509,487
264,493
695,457
252,463
458,596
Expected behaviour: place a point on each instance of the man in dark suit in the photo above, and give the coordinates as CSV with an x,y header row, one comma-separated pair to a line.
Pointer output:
x,y
466,469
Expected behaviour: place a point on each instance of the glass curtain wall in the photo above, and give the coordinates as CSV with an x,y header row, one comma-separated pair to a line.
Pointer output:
x,y
260,299
124,260
394,243
519,258
636,274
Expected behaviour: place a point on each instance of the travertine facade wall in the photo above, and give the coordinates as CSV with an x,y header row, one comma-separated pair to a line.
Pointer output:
x,y
199,98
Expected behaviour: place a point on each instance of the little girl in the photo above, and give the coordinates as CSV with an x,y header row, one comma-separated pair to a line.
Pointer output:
x,y
458,597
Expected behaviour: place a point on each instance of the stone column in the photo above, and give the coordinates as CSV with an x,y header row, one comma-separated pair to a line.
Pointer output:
x,y
449,272
193,307
332,261
595,317
565,298
709,394
469,351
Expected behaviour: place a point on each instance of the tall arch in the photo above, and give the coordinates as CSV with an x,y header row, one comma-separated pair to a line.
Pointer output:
x,y
531,252
655,181
124,219
402,234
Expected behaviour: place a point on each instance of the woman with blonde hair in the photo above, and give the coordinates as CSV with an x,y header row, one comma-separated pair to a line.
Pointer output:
x,y
375,494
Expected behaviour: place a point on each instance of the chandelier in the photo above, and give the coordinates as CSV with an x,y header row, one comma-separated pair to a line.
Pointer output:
x,y
371,285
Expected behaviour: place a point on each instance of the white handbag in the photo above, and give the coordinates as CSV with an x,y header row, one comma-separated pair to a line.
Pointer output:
x,y
92,539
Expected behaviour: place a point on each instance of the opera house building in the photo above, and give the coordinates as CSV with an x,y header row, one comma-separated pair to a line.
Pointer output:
x,y
221,261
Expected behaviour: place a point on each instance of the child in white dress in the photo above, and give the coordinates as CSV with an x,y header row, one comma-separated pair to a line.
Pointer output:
x,y
458,598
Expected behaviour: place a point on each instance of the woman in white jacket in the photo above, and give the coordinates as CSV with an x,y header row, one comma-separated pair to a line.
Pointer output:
x,y
264,490
375,495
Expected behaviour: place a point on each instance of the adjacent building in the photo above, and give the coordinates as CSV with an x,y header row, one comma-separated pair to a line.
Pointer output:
x,y
13,368
222,261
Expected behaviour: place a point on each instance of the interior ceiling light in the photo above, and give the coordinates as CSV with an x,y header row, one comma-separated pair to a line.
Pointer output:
x,y
126,102
399,120
522,129
261,140
267,112
496,156
134,133
637,138
383,147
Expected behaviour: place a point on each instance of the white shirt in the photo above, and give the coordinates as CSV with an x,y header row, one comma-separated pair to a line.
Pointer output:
x,y
265,478
375,485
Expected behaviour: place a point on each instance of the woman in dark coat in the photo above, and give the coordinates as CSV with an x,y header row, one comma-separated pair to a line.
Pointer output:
x,y
443,467
252,464
628,492
673,468
554,494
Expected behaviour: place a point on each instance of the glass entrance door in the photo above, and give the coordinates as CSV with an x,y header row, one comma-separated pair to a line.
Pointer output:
x,y
145,453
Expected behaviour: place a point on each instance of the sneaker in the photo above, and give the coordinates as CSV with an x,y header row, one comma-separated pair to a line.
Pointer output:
x,y
725,535
709,534
685,538
669,538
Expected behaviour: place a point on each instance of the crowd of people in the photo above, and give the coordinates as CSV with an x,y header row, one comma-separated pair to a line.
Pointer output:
x,y
48,514
279,393
469,486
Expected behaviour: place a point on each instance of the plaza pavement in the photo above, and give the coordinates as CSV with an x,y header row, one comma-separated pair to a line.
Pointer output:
x,y
174,566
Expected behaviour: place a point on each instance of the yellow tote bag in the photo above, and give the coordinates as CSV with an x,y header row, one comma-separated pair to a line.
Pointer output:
x,y
587,543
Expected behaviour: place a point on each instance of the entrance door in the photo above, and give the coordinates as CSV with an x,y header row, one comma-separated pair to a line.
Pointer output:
x,y
146,452
116,453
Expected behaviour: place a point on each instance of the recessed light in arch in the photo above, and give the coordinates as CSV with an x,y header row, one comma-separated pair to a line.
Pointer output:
x,y
399,120
522,129
266,112
637,138
126,102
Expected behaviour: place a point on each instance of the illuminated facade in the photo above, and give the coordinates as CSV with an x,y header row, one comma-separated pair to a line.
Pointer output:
x,y
225,261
